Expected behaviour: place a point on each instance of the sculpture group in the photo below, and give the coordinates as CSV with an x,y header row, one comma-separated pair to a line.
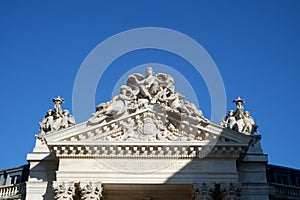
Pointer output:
x,y
239,120
151,108
142,92
156,112
57,118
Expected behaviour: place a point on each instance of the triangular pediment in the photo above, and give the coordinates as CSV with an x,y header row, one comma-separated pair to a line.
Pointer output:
x,y
145,117
228,144
111,139
148,125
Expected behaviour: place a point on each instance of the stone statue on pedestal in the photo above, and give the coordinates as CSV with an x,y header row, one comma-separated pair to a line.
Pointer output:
x,y
239,120
56,119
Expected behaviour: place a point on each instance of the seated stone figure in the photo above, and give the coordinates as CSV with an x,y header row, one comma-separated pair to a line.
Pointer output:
x,y
146,86
194,112
175,101
118,106
150,86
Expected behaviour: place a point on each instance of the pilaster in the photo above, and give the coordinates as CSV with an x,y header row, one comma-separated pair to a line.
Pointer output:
x,y
43,168
252,172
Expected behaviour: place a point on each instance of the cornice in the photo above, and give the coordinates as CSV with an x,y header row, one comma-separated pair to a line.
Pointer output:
x,y
145,150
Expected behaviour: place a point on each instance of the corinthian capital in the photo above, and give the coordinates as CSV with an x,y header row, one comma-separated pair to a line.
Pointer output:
x,y
91,190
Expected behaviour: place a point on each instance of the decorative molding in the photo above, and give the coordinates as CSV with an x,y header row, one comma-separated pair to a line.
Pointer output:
x,y
72,190
64,191
131,150
91,191
146,125
148,118
211,191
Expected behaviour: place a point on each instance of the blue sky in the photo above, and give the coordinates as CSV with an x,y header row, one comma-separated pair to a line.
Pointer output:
x,y
255,45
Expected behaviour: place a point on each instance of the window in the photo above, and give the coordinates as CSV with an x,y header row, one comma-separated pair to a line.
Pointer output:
x,y
3,179
12,179
298,180
283,179
15,179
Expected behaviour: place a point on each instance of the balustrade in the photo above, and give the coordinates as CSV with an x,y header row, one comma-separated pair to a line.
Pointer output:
x,y
15,190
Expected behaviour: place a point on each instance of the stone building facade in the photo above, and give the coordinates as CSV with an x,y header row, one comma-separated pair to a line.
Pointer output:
x,y
148,143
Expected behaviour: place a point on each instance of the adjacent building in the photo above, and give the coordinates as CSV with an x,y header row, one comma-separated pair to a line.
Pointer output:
x,y
13,182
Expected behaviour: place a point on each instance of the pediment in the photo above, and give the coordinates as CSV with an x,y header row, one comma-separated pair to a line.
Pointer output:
x,y
189,138
148,125
146,116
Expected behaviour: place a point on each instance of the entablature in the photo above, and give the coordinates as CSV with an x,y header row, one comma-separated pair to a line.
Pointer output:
x,y
146,150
